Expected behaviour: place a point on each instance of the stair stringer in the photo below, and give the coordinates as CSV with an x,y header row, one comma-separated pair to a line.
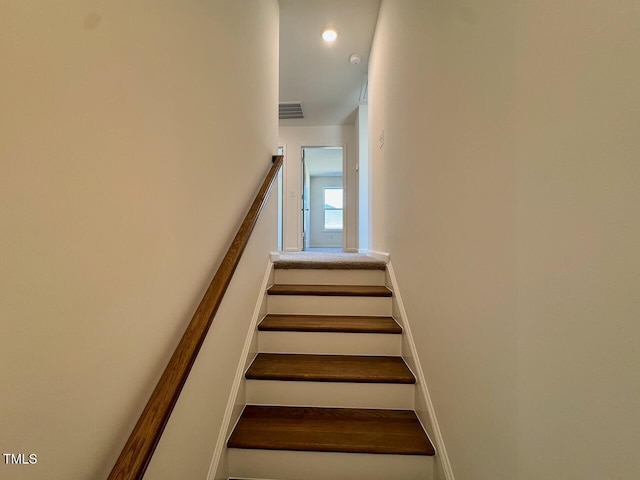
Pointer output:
x,y
423,405
218,469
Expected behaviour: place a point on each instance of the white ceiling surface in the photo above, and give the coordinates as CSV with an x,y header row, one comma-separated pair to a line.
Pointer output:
x,y
323,161
319,74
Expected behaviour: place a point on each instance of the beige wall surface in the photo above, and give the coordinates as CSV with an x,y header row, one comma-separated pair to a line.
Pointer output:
x,y
507,192
578,185
132,139
293,139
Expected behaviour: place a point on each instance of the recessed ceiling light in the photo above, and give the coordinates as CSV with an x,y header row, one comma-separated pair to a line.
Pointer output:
x,y
329,34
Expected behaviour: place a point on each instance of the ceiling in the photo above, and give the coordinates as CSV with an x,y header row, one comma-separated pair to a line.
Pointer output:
x,y
320,74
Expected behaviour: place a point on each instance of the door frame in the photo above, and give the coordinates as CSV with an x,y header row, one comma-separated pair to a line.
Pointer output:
x,y
345,217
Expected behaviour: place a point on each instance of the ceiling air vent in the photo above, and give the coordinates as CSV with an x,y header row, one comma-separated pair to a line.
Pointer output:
x,y
290,110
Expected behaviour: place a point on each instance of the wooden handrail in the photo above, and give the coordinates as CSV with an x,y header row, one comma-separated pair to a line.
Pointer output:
x,y
144,438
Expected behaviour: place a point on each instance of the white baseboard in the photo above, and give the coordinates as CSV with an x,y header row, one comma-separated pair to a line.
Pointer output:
x,y
411,357
384,256
234,404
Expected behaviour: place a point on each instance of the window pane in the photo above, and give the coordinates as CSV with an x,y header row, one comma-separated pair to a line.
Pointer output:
x,y
333,219
333,198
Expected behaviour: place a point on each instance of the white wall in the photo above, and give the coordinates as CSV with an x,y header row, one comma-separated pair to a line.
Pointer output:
x,y
506,192
132,139
294,138
319,237
362,135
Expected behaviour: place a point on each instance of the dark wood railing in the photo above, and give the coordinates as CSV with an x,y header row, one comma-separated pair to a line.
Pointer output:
x,y
137,452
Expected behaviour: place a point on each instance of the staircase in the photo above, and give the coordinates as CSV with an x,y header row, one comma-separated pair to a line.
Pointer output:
x,y
329,395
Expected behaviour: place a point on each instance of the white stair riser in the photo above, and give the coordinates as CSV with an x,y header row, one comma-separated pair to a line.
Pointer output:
x,y
328,305
290,465
330,277
331,394
330,343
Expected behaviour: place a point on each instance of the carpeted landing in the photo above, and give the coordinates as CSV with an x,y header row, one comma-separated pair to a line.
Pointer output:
x,y
328,260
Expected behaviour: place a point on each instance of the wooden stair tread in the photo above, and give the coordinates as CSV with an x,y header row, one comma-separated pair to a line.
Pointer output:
x,y
330,368
329,323
331,290
330,430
